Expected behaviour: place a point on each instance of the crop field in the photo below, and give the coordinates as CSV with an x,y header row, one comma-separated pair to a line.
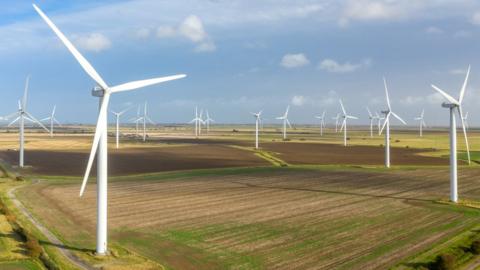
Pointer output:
x,y
266,218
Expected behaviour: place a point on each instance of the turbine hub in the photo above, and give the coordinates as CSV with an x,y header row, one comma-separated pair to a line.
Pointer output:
x,y
97,91
448,105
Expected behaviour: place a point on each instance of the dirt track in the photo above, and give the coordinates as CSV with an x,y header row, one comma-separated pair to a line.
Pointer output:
x,y
331,154
137,161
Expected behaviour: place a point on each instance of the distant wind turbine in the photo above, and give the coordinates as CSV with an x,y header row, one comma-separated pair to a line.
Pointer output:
x,y
198,121
422,123
117,125
257,122
386,124
337,119
208,120
455,105
465,120
322,122
52,120
372,118
146,118
21,116
379,121
285,122
345,116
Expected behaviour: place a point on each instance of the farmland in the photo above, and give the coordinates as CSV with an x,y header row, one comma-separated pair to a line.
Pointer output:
x,y
212,203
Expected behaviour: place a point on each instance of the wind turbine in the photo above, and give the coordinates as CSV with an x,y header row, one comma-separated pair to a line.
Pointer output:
x,y
52,120
285,122
345,116
322,122
145,118
137,120
379,121
208,120
337,119
386,123
257,122
23,115
454,104
198,121
103,91
421,123
117,124
372,118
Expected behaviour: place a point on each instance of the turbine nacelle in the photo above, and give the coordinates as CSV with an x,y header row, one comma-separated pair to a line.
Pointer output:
x,y
449,105
98,91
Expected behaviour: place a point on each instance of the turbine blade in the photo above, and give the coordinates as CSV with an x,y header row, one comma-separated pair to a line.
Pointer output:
x,y
343,108
54,108
99,129
83,62
344,122
464,86
445,95
143,83
151,121
464,133
25,93
387,121
14,121
45,119
399,118
34,120
386,93
288,122
369,112
351,117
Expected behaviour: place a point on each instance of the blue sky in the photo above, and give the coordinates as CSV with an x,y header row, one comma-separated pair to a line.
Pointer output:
x,y
242,56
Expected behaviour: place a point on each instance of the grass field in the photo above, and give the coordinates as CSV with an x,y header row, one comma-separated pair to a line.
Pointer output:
x,y
267,218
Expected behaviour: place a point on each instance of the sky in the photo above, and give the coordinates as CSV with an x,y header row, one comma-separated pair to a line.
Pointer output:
x,y
243,56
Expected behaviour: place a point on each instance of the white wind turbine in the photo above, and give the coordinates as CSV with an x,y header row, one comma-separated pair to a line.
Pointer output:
x,y
52,120
285,122
145,118
422,123
337,119
379,121
386,124
208,120
257,122
198,121
21,116
372,118
322,122
117,125
103,91
454,104
345,116
137,120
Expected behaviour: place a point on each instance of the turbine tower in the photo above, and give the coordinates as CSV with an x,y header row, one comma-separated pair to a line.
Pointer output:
x,y
455,105
322,122
21,116
285,122
117,125
422,123
145,118
386,123
257,122
198,121
103,92
52,120
345,116
372,118
337,119
208,120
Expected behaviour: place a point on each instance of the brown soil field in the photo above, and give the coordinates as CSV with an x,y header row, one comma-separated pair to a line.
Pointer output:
x,y
275,218
137,160
335,154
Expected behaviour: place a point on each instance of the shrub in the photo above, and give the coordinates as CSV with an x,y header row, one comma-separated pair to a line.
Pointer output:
x,y
34,248
397,140
475,247
444,262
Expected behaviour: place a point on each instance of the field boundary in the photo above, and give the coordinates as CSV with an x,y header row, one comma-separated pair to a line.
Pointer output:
x,y
266,155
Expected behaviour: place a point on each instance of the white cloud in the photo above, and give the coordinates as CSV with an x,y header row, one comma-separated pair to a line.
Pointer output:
x,y
433,30
412,100
331,65
294,60
143,33
476,18
192,29
462,34
435,98
364,10
298,100
93,42
458,71
165,31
